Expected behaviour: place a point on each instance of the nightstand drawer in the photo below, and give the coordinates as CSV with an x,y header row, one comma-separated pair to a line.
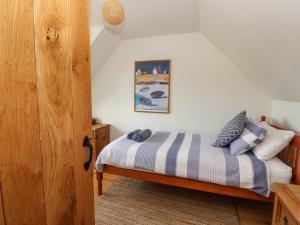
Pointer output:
x,y
286,218
101,139
286,205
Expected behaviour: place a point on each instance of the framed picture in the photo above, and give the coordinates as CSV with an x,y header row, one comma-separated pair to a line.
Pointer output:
x,y
152,86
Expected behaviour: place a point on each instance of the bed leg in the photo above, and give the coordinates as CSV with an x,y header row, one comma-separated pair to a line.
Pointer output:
x,y
99,178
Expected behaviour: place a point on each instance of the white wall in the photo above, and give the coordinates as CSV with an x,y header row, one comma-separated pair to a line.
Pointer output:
x,y
260,37
206,88
286,114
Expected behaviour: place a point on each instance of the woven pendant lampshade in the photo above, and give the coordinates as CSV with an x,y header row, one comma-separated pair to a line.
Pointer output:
x,y
113,12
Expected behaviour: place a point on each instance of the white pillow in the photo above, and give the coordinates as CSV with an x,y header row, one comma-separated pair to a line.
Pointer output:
x,y
274,142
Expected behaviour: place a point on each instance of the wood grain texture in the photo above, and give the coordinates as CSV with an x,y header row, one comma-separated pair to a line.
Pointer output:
x,y
286,203
277,207
99,126
100,138
253,212
82,116
291,156
186,183
54,81
20,156
2,217
296,144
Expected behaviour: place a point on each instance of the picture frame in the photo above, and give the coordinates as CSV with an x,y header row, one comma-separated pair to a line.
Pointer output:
x,y
152,86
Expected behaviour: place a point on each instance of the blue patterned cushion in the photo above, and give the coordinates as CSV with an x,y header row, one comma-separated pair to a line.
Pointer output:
x,y
251,136
232,130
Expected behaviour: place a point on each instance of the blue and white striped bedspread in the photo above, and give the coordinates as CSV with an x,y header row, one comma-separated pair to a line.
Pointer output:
x,y
189,156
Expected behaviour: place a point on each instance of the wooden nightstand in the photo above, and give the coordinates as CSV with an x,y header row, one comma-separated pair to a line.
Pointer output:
x,y
100,138
287,205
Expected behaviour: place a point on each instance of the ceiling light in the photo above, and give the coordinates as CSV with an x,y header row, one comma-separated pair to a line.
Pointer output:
x,y
113,12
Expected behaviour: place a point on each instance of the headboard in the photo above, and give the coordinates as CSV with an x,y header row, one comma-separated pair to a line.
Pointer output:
x,y
290,155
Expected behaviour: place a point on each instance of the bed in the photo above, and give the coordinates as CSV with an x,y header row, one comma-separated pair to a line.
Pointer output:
x,y
215,170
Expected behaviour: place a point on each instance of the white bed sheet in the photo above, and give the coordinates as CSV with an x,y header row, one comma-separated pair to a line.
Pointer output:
x,y
279,171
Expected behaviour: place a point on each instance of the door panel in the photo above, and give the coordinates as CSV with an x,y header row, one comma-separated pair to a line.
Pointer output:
x,y
20,156
45,111
81,83
53,51
2,218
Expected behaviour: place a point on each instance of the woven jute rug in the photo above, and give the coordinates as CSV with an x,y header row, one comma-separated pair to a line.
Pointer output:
x,y
131,202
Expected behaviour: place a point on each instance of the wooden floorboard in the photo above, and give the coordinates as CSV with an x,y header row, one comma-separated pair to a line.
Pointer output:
x,y
250,212
254,213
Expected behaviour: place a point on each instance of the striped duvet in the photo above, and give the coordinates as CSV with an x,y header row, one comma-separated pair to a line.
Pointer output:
x,y
188,156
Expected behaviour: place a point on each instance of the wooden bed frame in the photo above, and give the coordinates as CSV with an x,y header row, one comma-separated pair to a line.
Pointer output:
x,y
290,155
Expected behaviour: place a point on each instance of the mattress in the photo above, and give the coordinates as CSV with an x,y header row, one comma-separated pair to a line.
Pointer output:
x,y
191,156
279,171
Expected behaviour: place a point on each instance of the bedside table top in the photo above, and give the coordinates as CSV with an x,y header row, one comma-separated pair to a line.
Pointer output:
x,y
294,190
99,126
289,195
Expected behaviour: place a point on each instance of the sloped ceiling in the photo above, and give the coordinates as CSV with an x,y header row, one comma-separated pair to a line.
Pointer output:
x,y
103,44
146,18
262,37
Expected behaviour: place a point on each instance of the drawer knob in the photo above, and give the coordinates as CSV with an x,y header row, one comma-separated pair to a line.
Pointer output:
x,y
286,221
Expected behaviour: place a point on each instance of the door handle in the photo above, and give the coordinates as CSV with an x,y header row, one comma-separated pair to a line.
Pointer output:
x,y
87,143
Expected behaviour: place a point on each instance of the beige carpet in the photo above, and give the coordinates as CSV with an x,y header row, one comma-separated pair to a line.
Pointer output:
x,y
132,202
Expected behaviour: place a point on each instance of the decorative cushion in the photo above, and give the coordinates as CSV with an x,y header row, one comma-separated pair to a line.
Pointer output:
x,y
251,136
275,141
232,130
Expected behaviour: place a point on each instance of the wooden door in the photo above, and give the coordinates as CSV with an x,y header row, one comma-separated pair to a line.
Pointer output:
x,y
81,84
20,156
45,112
62,48
2,218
